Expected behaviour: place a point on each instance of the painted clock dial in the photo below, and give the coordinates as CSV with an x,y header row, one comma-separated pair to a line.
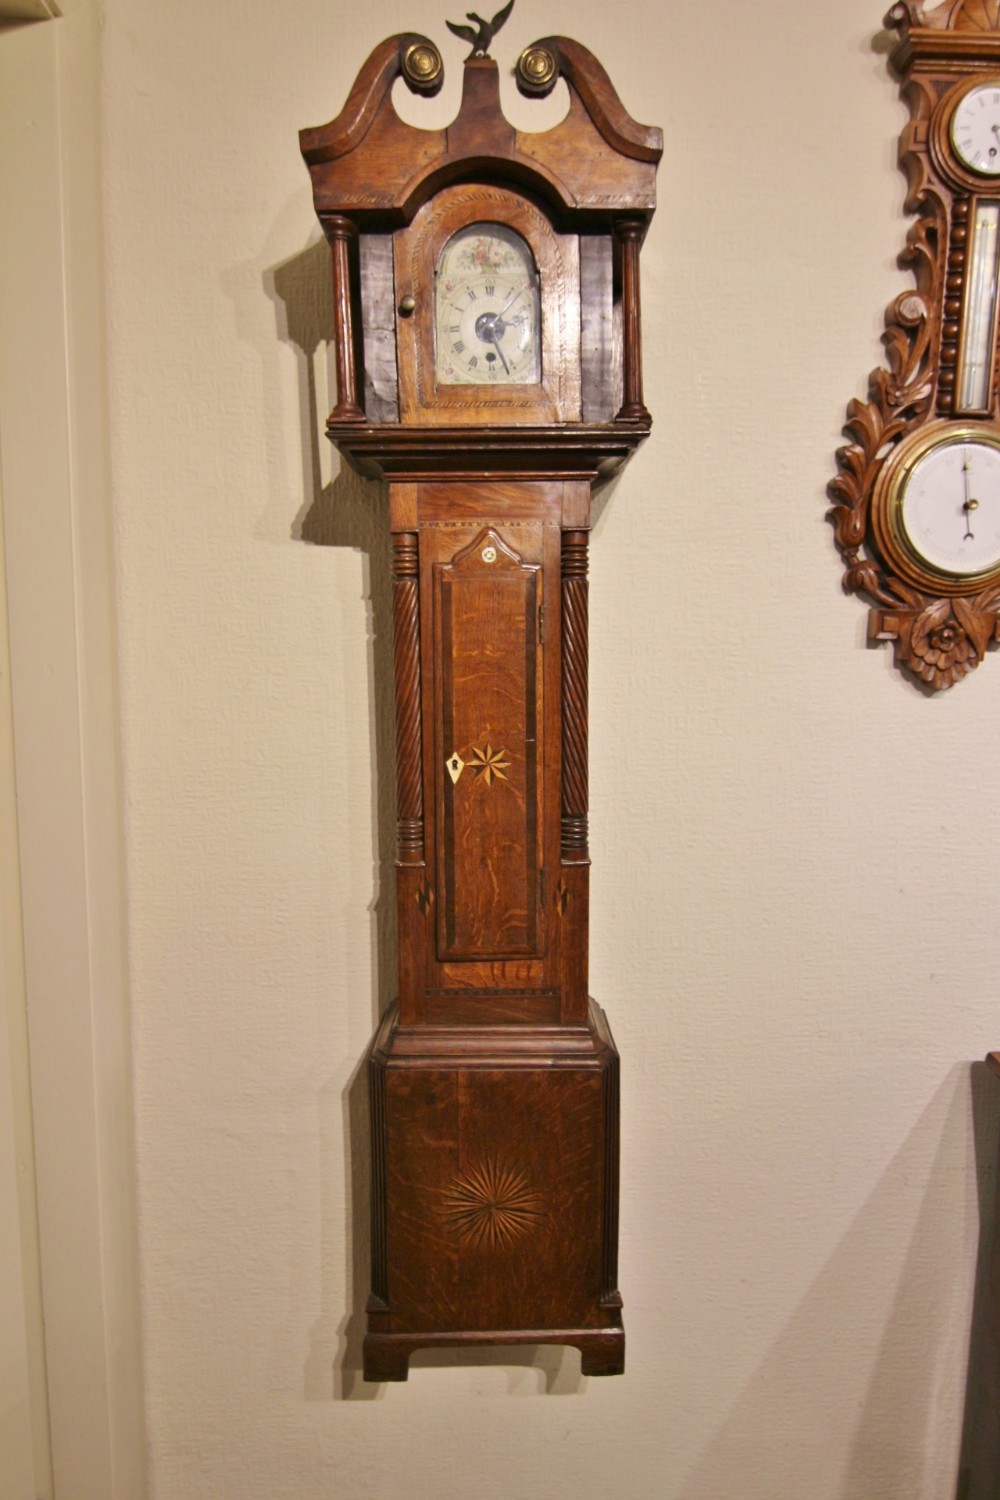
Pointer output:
x,y
487,309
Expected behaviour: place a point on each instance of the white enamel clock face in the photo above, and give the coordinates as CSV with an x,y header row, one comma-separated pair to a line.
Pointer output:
x,y
487,310
949,506
975,129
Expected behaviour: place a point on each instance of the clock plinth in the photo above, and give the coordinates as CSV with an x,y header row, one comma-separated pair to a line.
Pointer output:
x,y
496,1182
487,335
387,1356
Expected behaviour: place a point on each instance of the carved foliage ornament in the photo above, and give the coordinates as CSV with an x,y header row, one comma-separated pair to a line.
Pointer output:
x,y
916,520
954,15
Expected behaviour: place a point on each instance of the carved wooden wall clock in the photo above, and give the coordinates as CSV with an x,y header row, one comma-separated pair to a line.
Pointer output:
x,y
487,345
917,511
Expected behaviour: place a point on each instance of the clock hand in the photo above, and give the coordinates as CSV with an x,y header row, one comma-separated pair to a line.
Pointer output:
x,y
496,345
970,504
511,300
490,328
970,536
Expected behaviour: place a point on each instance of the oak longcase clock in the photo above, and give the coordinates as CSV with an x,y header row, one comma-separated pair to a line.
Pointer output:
x,y
486,309
917,510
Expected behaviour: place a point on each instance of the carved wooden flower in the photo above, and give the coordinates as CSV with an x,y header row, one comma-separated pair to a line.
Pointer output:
x,y
941,651
492,1205
489,763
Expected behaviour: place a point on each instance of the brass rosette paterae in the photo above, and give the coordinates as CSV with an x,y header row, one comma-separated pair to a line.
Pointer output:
x,y
423,67
537,70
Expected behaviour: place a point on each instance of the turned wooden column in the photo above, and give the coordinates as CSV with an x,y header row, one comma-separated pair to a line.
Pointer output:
x,y
629,234
342,234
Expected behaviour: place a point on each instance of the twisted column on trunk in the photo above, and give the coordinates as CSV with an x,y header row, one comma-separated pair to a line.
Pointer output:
x,y
406,663
575,658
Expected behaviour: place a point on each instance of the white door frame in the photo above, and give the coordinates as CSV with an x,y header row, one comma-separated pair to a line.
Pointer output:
x,y
68,1065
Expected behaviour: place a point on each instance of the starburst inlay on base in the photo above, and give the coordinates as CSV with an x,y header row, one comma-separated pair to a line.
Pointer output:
x,y
492,1205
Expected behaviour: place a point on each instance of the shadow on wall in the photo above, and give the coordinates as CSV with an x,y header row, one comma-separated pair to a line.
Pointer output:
x,y
979,1476
347,512
351,512
895,1322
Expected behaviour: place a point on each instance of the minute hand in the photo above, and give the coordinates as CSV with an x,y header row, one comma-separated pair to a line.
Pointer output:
x,y
511,300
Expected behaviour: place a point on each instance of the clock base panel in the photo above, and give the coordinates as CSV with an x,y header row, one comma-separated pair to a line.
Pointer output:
x,y
495,1191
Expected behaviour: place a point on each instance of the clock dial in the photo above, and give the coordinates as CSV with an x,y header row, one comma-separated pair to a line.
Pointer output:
x,y
487,310
975,129
949,506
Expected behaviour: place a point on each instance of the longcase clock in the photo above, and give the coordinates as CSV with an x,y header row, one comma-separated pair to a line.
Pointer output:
x,y
917,510
487,344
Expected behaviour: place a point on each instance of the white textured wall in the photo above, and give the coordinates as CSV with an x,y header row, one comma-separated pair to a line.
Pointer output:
x,y
794,926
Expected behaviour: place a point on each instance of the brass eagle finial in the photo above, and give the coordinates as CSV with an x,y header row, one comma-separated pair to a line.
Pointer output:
x,y
481,35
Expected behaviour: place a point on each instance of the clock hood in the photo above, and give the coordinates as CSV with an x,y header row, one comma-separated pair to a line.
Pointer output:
x,y
369,164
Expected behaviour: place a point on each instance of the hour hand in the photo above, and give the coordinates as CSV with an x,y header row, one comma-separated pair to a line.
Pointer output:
x,y
496,345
